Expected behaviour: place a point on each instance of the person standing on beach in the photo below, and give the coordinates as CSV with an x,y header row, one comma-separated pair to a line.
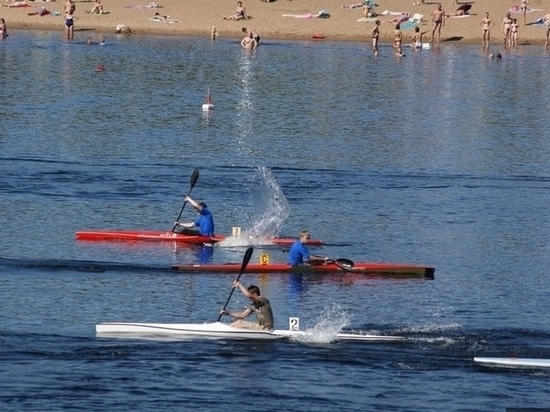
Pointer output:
x,y
506,25
486,26
375,35
524,6
3,30
514,32
70,8
397,37
547,31
417,38
438,19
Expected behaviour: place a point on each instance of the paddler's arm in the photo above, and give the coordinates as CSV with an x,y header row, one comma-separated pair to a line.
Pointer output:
x,y
236,315
187,225
317,258
244,291
193,203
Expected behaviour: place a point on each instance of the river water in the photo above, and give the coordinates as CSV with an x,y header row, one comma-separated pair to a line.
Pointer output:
x,y
439,158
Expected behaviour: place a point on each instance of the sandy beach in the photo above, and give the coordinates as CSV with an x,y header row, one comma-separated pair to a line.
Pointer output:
x,y
281,19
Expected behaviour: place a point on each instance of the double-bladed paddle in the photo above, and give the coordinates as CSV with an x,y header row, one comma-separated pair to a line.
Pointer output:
x,y
194,178
344,264
246,259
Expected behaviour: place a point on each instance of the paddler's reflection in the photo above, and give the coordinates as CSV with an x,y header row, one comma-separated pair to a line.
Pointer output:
x,y
204,253
297,286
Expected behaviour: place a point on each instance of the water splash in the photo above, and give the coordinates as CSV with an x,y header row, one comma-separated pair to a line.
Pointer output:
x,y
430,328
269,211
269,205
330,322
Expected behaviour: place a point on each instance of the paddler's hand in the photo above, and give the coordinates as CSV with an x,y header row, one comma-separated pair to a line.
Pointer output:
x,y
177,224
224,312
236,283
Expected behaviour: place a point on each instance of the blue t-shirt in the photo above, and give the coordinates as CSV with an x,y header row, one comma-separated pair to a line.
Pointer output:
x,y
298,254
205,223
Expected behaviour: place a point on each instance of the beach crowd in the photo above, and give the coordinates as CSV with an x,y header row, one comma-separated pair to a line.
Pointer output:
x,y
429,26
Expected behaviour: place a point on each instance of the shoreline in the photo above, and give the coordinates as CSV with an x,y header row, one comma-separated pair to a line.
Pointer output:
x,y
196,20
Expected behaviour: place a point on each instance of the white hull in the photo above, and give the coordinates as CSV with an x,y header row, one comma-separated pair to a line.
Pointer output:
x,y
514,362
222,330
207,106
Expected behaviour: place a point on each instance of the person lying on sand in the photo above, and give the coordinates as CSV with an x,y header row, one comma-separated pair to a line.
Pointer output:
x,y
40,12
399,19
353,6
22,3
159,17
543,20
147,6
463,10
163,19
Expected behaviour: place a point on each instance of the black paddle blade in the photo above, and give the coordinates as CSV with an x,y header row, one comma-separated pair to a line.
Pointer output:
x,y
192,182
194,178
344,264
246,259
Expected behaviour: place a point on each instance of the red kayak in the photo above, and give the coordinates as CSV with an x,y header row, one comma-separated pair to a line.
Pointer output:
x,y
157,236
364,268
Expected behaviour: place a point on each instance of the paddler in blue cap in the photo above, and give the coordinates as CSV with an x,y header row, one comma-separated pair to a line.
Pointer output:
x,y
204,223
300,256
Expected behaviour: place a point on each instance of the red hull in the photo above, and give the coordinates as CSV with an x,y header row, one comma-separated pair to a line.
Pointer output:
x,y
365,268
157,236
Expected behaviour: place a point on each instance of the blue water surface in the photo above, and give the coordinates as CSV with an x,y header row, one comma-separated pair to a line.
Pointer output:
x,y
439,158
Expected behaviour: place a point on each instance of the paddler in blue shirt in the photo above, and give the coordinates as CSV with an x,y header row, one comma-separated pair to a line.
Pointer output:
x,y
204,223
299,255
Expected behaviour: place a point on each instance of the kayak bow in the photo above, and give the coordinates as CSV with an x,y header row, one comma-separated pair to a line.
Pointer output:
x,y
514,362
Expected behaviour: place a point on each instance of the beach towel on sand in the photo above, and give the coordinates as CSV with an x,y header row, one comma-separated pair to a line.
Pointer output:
x,y
145,6
408,25
323,14
367,19
391,13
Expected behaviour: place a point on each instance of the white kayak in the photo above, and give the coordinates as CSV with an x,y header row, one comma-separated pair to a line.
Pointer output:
x,y
514,362
222,330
